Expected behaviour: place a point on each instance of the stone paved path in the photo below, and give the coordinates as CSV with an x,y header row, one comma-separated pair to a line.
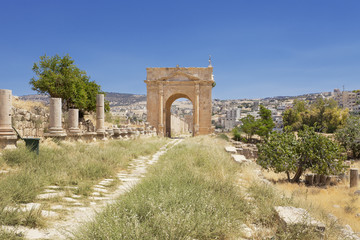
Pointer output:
x,y
77,212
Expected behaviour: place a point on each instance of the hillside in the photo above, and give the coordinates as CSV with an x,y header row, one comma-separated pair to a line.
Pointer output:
x,y
115,99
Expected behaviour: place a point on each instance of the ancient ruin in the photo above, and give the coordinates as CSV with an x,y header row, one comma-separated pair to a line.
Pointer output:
x,y
165,85
55,126
8,136
100,116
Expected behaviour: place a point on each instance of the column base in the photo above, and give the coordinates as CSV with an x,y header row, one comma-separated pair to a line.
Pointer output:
x,y
8,142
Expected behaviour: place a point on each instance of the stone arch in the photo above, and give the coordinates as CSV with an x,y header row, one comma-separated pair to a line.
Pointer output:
x,y
165,85
168,104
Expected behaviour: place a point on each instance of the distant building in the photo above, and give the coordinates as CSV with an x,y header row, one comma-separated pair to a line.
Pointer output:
x,y
348,99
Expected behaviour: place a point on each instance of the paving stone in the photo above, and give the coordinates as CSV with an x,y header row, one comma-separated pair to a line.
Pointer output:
x,y
100,190
50,214
99,198
53,187
30,206
57,207
50,195
50,191
75,196
77,204
68,199
95,194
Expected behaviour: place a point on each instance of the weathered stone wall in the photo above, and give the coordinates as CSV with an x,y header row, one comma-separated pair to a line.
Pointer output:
x,y
30,123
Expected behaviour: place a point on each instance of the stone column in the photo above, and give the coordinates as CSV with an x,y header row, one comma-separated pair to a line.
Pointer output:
x,y
100,116
161,111
197,110
8,136
73,122
55,126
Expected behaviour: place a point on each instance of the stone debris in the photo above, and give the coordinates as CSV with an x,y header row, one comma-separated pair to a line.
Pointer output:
x,y
240,158
230,149
348,233
294,216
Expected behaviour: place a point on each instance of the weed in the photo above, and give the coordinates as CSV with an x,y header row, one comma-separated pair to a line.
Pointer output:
x,y
188,194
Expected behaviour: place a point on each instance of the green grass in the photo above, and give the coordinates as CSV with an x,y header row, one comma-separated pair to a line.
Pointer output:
x,y
188,194
77,164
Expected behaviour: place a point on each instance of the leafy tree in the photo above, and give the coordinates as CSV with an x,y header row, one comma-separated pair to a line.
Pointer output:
x,y
249,126
324,115
349,136
59,77
284,152
265,124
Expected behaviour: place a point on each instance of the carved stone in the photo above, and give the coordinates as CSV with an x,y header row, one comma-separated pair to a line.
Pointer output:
x,y
165,85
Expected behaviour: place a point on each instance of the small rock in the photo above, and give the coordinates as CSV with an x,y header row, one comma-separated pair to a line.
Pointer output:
x,y
332,217
357,215
336,206
357,192
246,231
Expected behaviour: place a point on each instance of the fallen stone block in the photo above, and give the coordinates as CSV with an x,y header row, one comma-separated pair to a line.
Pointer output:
x,y
240,158
297,216
230,149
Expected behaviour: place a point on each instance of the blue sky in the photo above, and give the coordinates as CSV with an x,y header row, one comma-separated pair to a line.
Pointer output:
x,y
259,48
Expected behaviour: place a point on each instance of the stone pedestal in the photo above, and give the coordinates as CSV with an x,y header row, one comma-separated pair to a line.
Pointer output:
x,y
100,117
73,123
8,136
55,125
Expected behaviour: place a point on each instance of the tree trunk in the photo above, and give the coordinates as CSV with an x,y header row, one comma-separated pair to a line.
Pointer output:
x,y
288,176
298,174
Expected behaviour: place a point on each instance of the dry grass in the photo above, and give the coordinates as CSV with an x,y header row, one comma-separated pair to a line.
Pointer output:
x,y
26,105
338,200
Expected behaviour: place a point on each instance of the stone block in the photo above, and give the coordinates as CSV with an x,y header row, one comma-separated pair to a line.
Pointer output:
x,y
298,216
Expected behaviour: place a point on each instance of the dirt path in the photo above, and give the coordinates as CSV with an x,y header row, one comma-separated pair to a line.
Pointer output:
x,y
78,213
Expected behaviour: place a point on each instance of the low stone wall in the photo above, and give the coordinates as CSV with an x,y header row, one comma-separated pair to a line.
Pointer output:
x,y
31,123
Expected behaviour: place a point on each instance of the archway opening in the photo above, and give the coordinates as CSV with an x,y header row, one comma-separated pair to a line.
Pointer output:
x,y
179,116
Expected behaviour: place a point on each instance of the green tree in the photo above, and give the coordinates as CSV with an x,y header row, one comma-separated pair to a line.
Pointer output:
x,y
284,152
324,115
249,126
265,124
349,136
59,77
